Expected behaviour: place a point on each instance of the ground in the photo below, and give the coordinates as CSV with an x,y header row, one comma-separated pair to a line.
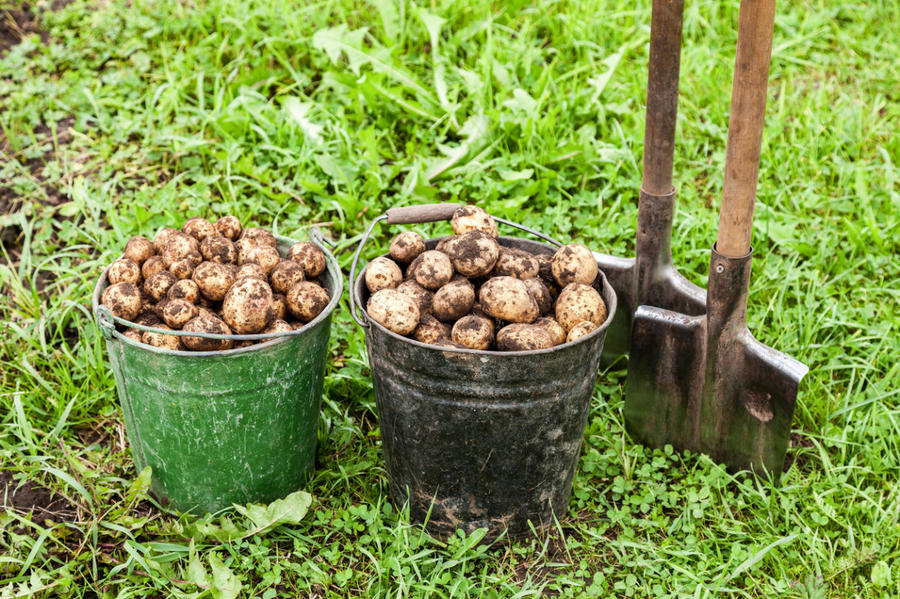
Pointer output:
x,y
117,118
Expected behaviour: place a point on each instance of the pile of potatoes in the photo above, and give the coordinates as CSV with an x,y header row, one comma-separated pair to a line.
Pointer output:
x,y
471,292
214,278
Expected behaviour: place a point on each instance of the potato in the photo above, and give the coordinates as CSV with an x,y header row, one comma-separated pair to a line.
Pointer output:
x,y
264,255
229,227
182,269
278,326
207,323
185,289
151,266
514,262
148,318
382,273
578,302
298,325
178,312
453,300
574,263
158,285
309,256
540,293
508,299
557,332
162,238
474,332
418,294
159,307
217,248
139,249
161,340
258,236
585,327
247,306
214,280
473,254
406,246
279,306
285,275
444,243
431,269
473,218
430,330
394,311
124,270
198,228
123,300
523,337
133,334
179,246
250,269
306,300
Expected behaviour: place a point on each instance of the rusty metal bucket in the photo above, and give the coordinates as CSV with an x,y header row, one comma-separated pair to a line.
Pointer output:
x,y
481,439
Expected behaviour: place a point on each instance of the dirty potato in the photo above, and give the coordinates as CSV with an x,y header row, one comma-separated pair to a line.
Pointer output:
x,y
247,307
514,262
264,255
508,299
453,301
218,248
574,263
161,340
278,326
198,228
183,269
178,312
179,246
394,311
406,246
306,300
258,236
445,243
382,273
557,332
431,269
213,279
250,269
474,332
148,318
151,266
124,270
309,256
185,289
157,286
472,218
139,249
123,300
418,294
162,238
473,254
523,337
285,275
430,330
540,293
207,323
229,227
578,302
279,306
133,334
581,329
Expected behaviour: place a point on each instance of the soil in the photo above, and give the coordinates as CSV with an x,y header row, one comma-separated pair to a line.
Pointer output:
x,y
28,497
792,455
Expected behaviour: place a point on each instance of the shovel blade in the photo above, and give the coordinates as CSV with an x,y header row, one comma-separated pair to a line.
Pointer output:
x,y
620,274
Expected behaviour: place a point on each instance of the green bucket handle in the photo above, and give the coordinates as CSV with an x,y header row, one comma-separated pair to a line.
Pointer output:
x,y
412,215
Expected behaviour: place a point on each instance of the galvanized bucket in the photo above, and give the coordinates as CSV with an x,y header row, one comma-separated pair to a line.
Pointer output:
x,y
481,439
223,427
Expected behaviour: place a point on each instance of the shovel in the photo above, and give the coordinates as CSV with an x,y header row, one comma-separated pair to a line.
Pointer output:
x,y
703,382
650,278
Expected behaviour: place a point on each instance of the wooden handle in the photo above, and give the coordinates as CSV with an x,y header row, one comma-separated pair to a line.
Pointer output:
x,y
662,95
745,126
426,213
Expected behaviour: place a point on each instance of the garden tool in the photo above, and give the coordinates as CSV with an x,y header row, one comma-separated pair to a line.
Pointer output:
x,y
650,278
703,382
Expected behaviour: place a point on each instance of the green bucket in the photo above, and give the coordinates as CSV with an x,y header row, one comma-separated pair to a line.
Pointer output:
x,y
224,427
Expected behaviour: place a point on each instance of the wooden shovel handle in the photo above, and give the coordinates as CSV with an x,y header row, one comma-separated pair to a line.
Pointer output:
x,y
745,126
662,95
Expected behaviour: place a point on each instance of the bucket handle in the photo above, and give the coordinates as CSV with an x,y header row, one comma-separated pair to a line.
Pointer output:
x,y
410,215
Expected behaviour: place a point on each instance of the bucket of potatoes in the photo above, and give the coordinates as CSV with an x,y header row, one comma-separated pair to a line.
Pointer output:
x,y
484,350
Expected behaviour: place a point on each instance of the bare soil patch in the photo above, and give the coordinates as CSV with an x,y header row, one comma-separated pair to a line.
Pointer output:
x,y
29,497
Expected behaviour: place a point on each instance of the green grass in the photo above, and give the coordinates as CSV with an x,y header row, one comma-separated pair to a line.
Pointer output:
x,y
137,115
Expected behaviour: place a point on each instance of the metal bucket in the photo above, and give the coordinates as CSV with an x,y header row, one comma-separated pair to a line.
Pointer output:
x,y
482,439
224,427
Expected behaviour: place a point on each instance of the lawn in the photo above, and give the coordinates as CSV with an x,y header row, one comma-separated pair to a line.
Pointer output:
x,y
117,118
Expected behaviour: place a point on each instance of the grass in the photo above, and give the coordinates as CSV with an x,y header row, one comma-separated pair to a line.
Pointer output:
x,y
122,117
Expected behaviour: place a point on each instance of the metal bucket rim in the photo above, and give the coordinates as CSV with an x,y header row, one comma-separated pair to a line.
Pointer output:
x,y
332,267
610,308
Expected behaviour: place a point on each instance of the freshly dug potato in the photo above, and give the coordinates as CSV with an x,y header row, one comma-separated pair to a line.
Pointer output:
x,y
151,266
217,248
285,275
540,293
178,312
309,256
474,332
418,294
179,246
159,307
453,300
139,249
430,330
306,300
185,289
198,228
382,273
214,280
431,269
473,254
574,263
207,323
278,326
247,307
580,330
161,340
162,238
258,236
133,334
557,333
508,299
124,270
229,227
298,325
148,318
444,243
183,269
523,337
473,218
578,302
394,311
157,286
279,306
264,255
250,269
406,246
517,263
123,300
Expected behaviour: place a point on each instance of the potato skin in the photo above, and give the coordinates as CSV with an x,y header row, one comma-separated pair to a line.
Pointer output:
x,y
517,263
151,266
431,269
213,280
508,299
523,337
279,306
185,289
123,300
574,263
139,249
578,302
162,238
124,270
158,285
251,269
423,297
217,248
198,228
285,275
585,327
472,218
179,246
161,340
474,332
430,330
264,255
309,256
540,293
557,332
247,305
178,312
207,323
306,300
394,311
258,236
278,326
382,273
453,301
407,246
473,254
229,227
183,269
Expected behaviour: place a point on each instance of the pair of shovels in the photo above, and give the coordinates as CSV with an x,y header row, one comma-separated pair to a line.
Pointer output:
x,y
701,381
